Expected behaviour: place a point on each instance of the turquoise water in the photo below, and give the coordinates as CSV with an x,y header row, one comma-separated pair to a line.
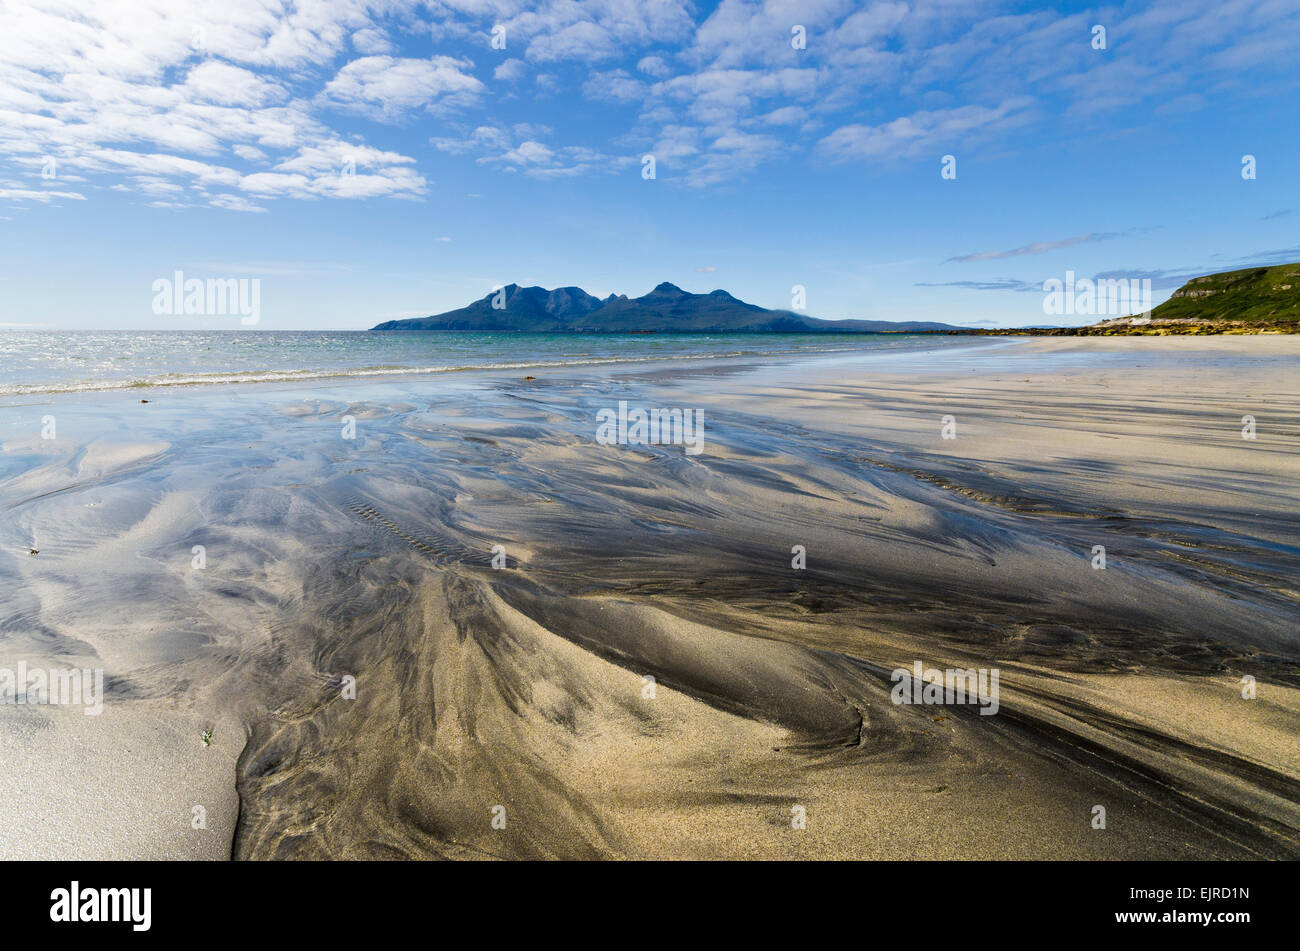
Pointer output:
x,y
59,362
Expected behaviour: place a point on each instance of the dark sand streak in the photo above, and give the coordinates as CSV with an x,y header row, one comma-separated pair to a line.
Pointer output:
x,y
637,600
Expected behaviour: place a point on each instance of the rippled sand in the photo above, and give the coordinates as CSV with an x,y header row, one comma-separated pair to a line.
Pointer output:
x,y
525,686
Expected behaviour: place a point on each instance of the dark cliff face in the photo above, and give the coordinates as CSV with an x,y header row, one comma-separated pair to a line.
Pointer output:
x,y
665,309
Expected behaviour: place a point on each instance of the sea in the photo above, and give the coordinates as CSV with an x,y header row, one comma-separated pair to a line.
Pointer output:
x,y
40,362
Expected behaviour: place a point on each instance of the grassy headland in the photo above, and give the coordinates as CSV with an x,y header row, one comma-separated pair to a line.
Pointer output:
x,y
1250,301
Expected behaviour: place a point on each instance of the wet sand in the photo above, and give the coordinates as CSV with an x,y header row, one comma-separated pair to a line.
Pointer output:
x,y
525,686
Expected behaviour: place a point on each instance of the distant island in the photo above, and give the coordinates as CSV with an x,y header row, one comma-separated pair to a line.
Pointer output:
x,y
1251,300
666,309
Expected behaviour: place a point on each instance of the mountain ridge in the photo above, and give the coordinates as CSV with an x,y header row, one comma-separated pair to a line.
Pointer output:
x,y
665,309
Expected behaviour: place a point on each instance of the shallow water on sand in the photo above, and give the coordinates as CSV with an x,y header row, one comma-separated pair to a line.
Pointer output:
x,y
349,531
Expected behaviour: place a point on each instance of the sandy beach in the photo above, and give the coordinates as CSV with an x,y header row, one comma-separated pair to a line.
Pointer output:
x,y
645,672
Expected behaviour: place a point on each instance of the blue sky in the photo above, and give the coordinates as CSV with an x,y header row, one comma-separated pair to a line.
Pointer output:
x,y
367,161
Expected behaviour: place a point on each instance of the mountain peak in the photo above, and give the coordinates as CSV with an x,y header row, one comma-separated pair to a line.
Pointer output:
x,y
668,288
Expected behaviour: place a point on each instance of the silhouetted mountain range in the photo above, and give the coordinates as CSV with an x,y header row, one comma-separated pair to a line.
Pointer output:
x,y
665,309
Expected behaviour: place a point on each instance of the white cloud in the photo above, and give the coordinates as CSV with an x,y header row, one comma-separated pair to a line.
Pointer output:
x,y
615,86
156,95
387,87
371,42
934,131
234,203
654,66
227,85
786,115
581,41
483,138
151,99
1037,247
527,153
599,29
510,70
157,186
519,149
276,183
31,194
